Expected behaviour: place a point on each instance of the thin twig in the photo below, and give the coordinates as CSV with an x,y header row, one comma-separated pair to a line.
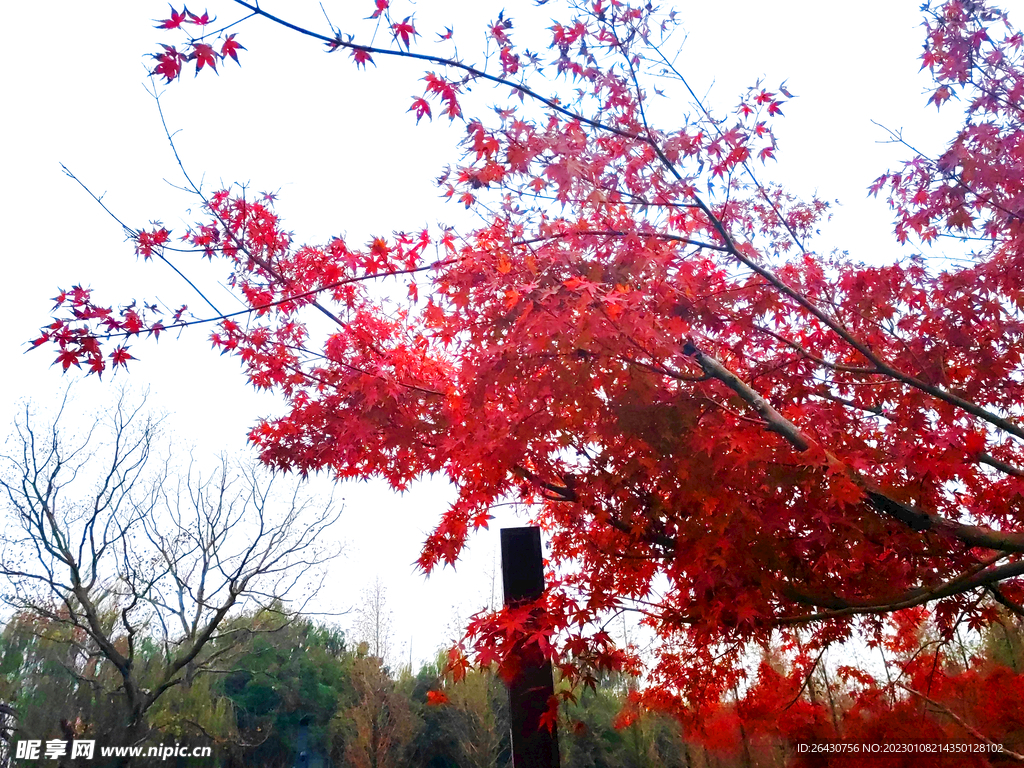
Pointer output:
x,y
1003,751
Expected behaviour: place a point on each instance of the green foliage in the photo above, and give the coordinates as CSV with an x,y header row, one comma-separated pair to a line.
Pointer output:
x,y
1004,642
603,731
56,681
196,713
470,730
288,673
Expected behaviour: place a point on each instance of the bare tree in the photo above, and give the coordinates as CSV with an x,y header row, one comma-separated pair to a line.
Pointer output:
x,y
101,536
373,621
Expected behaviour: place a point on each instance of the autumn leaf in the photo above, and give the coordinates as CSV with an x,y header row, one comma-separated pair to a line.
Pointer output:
x,y
436,698
175,21
549,718
421,108
67,358
404,31
231,47
941,94
960,219
201,20
203,55
168,63
362,57
120,357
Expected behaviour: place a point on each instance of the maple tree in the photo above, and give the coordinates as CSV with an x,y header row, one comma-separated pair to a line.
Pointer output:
x,y
750,443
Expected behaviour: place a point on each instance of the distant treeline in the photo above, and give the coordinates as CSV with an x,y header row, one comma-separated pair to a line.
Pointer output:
x,y
294,685
288,686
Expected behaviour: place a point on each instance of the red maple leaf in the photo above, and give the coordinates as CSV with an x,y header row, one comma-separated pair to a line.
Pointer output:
x,y
120,357
362,57
421,108
549,717
175,21
203,55
132,322
168,63
941,94
200,20
404,31
69,357
436,698
231,47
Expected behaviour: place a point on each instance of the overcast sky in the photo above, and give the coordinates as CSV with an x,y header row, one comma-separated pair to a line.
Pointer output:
x,y
346,157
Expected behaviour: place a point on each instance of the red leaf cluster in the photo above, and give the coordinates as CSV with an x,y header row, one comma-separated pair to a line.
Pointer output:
x,y
170,61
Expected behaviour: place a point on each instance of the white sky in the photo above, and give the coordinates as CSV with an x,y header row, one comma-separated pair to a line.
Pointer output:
x,y
347,158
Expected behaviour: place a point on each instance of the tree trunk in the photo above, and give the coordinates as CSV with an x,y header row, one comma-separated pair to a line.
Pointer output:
x,y
134,735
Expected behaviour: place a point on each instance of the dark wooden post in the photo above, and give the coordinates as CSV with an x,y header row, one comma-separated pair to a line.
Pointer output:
x,y
522,575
